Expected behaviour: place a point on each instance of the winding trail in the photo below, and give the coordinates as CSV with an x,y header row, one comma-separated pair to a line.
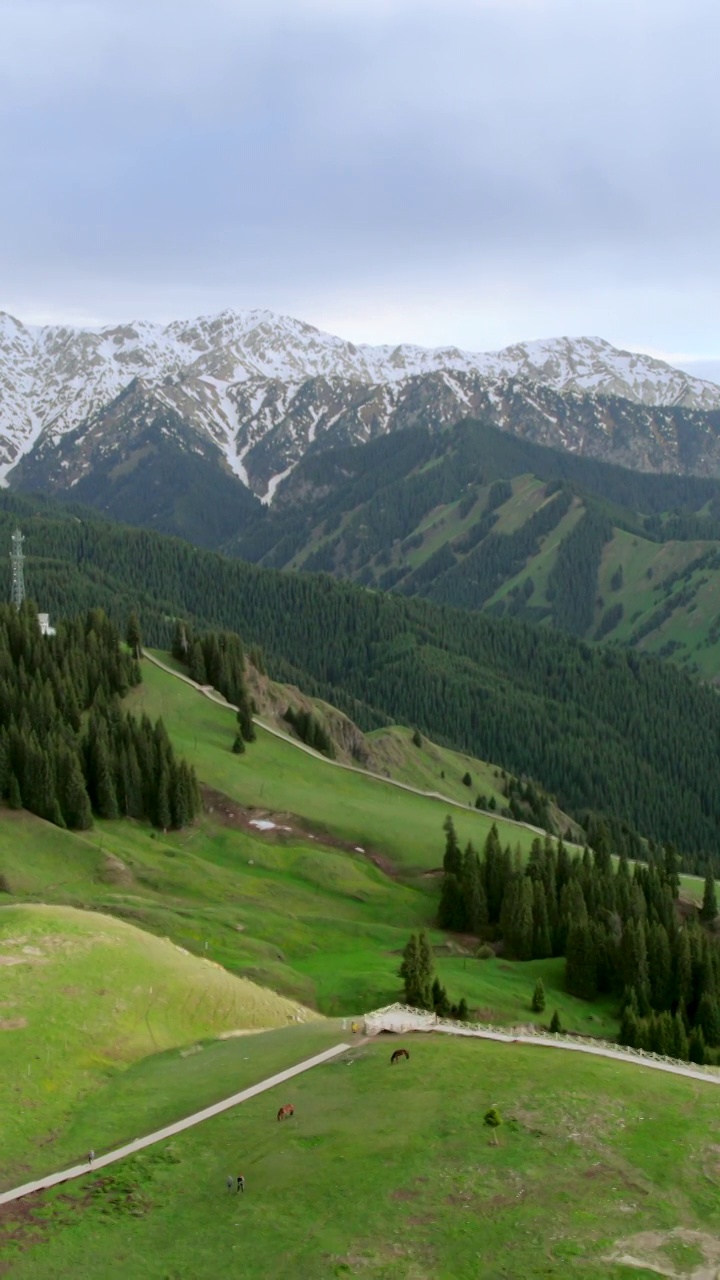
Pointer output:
x,y
130,1148
208,692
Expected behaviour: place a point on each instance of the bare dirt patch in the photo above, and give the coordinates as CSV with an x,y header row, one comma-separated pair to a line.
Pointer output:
x,y
651,1251
282,827
404,1194
12,1024
114,871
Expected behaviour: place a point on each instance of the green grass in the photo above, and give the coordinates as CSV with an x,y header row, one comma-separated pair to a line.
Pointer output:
x,y
275,776
84,994
389,1172
433,768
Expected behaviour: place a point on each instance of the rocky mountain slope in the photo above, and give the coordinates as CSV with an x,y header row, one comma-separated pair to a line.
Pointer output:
x,y
252,393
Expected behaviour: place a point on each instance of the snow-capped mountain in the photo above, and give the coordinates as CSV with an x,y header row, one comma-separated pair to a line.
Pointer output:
x,y
255,391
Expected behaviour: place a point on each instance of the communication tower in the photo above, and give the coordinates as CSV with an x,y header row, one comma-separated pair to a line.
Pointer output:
x,y
17,560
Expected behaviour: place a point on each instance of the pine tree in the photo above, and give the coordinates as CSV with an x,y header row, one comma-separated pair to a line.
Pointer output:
x,y
542,946
417,971
679,1042
629,1028
683,970
696,1047
439,998
163,811
581,962
133,636
426,967
452,911
409,971
516,917
473,893
555,1024
671,869
238,745
709,910
708,1018
538,999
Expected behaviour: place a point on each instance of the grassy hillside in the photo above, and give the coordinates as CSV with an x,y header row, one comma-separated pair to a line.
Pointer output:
x,y
274,776
84,994
580,721
599,1167
438,523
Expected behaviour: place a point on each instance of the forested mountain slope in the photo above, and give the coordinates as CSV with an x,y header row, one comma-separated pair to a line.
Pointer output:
x,y
602,729
482,520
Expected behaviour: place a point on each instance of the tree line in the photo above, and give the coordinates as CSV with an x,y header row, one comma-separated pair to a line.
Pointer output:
x,y
67,748
620,930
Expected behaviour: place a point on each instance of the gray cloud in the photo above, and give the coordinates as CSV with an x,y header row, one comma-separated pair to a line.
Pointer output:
x,y
459,170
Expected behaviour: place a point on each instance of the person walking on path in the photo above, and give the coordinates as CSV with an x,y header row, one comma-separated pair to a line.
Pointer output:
x,y
241,1183
230,1182
91,1157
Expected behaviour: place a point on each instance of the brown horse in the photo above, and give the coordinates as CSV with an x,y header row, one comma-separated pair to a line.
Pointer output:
x,y
398,1054
285,1112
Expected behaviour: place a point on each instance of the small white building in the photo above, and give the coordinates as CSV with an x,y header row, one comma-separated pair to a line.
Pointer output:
x,y
44,625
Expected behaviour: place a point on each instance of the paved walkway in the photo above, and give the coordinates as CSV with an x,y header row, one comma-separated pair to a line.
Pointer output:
x,y
600,1051
79,1170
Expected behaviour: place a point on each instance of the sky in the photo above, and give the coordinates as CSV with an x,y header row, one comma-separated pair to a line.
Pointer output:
x,y
466,172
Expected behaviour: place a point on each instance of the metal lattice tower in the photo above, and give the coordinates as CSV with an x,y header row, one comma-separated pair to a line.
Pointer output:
x,y
17,560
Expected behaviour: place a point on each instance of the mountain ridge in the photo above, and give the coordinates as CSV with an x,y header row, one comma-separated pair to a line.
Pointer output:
x,y
263,390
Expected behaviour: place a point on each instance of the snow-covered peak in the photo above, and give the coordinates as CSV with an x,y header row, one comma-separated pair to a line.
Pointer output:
x,y
52,378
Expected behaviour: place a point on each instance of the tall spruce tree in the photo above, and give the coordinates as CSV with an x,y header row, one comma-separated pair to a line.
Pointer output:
x,y
709,910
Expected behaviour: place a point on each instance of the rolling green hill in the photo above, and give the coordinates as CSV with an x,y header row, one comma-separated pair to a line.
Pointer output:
x,y
84,994
601,729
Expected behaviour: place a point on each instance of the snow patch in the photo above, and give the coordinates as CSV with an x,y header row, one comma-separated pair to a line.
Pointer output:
x,y
274,482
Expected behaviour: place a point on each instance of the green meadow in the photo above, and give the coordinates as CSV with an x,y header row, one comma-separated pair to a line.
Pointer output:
x,y
598,1169
83,995
274,776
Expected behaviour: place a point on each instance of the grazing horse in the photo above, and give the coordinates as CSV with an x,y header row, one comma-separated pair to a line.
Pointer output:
x,y
285,1112
398,1054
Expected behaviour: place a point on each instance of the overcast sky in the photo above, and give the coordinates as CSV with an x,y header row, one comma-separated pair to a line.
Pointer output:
x,y
472,172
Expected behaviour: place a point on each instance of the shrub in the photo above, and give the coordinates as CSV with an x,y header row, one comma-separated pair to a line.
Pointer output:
x,y
484,952
538,999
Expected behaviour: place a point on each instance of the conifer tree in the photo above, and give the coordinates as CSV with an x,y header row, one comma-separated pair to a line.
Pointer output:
x,y
708,1018
696,1047
679,1042
133,636
473,893
538,999
581,962
541,946
709,910
426,967
555,1024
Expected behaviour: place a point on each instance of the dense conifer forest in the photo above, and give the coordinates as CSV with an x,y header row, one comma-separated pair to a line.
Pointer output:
x,y
621,932
608,731
67,750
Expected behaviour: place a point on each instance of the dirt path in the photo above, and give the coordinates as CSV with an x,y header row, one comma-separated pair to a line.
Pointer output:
x,y
130,1148
214,696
